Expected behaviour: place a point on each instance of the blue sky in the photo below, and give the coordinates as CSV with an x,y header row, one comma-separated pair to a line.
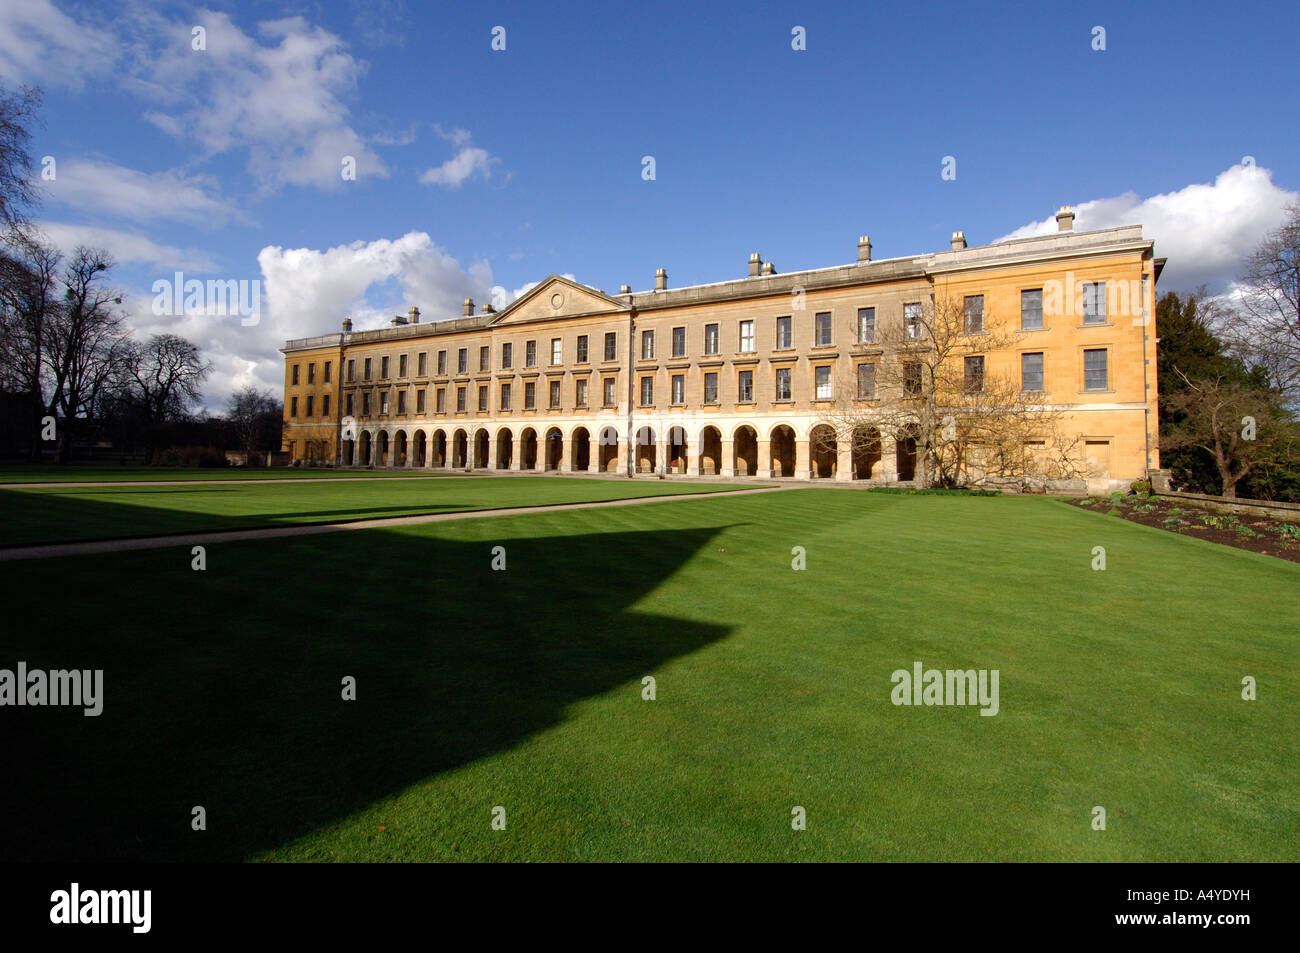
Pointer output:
x,y
481,171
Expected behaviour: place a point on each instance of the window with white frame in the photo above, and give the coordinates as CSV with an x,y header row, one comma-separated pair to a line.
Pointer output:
x,y
783,390
822,325
1031,309
784,333
973,314
866,325
823,385
866,381
912,324
1031,371
1094,302
746,337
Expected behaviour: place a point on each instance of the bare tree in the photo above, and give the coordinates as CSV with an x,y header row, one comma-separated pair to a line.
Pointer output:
x,y
1238,425
17,190
82,343
161,378
1265,330
29,303
930,387
255,419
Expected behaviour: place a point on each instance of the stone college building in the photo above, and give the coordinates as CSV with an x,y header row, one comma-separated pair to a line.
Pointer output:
x,y
732,379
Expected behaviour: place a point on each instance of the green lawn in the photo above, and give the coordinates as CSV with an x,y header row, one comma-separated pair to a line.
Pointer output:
x,y
522,689
100,473
62,514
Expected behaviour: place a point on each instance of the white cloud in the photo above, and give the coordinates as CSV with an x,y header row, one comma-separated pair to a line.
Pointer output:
x,y
93,185
1205,230
467,162
38,43
128,248
456,136
307,292
310,291
282,100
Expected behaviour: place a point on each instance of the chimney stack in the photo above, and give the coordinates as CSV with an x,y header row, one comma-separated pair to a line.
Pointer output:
x,y
755,264
468,310
625,289
864,248
347,325
414,315
488,309
958,241
661,280
1065,219
769,268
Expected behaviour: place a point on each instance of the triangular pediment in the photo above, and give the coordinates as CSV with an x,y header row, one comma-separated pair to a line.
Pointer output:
x,y
556,297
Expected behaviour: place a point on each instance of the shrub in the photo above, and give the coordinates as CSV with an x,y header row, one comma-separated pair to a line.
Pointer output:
x,y
1140,487
1114,511
937,491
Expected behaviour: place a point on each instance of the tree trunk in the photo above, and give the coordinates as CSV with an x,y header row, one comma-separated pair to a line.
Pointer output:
x,y
1229,484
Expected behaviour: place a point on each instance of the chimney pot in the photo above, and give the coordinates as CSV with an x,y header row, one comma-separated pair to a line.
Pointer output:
x,y
958,241
864,248
1065,219
661,280
469,307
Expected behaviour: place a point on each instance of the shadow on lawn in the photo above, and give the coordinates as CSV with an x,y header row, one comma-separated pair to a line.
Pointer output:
x,y
222,688
31,519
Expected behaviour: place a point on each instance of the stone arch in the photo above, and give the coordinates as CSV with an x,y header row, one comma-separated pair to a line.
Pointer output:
x,y
459,450
744,450
482,449
866,452
420,450
905,455
710,452
399,448
677,449
528,449
438,449
580,450
366,445
782,447
382,455
505,448
608,450
645,450
824,451
554,449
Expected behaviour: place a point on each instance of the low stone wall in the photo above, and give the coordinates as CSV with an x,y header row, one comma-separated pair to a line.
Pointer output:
x,y
1239,507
